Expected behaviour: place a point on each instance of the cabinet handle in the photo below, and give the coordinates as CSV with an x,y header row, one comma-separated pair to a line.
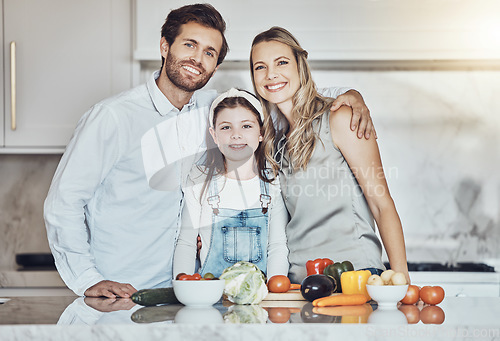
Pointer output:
x,y
13,85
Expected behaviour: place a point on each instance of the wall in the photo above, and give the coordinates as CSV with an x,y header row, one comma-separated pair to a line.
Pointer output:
x,y
438,136
437,127
25,180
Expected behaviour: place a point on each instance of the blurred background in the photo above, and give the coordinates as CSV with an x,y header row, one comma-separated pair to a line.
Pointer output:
x,y
428,70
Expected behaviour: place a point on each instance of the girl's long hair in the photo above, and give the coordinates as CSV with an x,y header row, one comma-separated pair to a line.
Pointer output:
x,y
215,162
308,104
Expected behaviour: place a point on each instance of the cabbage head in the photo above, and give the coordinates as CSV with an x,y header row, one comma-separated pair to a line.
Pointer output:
x,y
245,283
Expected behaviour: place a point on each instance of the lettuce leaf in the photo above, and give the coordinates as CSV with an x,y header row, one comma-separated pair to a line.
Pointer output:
x,y
244,283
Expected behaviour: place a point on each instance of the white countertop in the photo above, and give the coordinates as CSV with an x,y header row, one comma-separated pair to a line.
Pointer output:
x,y
61,318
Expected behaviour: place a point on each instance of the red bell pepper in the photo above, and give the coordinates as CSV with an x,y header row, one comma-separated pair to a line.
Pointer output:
x,y
317,266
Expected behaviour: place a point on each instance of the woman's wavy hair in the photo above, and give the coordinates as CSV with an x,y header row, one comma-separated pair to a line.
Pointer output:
x,y
215,162
308,104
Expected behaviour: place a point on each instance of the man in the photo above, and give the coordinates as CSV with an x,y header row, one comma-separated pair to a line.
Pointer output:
x,y
113,208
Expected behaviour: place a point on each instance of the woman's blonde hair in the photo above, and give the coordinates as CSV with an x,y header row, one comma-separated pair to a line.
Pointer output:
x,y
308,104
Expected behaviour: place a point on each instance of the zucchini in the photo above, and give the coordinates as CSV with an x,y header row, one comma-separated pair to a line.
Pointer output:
x,y
148,297
153,314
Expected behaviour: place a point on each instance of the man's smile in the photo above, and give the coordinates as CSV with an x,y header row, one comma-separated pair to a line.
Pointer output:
x,y
191,69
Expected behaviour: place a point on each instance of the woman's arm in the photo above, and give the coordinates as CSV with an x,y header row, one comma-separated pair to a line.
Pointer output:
x,y
361,119
277,250
363,158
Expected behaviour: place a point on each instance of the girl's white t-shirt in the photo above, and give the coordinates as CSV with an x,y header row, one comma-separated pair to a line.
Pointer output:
x,y
239,194
233,194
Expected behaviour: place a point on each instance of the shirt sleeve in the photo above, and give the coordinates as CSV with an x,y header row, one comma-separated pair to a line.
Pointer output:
x,y
89,156
186,248
277,249
333,92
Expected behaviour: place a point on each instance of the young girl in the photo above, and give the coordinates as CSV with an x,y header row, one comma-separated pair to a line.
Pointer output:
x,y
333,182
231,202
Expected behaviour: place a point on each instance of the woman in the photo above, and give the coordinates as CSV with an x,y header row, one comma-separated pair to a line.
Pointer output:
x,y
332,182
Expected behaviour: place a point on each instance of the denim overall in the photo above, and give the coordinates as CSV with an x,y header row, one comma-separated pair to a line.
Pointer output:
x,y
237,235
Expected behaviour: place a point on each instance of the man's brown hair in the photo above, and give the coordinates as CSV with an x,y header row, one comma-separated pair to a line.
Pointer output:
x,y
203,14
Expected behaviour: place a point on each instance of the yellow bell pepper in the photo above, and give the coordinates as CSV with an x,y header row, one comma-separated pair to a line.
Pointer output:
x,y
354,282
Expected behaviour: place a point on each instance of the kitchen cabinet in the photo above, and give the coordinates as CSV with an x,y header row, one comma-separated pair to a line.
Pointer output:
x,y
354,30
67,55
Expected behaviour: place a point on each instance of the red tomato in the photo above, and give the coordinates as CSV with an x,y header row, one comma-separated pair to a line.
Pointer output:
x,y
279,315
184,277
412,295
432,295
278,283
432,314
411,312
179,275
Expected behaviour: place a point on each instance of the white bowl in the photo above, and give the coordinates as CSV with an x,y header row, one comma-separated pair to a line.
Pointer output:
x,y
198,315
387,316
198,293
387,296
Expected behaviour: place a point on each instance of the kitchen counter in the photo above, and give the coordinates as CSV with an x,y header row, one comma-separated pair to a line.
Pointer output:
x,y
30,278
67,317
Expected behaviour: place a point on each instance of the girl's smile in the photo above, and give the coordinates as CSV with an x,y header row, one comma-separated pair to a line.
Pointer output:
x,y
237,146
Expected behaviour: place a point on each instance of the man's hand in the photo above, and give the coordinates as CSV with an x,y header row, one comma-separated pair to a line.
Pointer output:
x,y
360,113
107,305
110,289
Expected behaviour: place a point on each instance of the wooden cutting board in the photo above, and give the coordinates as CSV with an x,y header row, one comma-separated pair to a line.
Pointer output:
x,y
291,295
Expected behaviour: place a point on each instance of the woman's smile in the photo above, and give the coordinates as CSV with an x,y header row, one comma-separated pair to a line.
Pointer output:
x,y
275,87
275,73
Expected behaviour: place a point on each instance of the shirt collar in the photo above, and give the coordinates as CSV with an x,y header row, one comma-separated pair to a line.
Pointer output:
x,y
160,101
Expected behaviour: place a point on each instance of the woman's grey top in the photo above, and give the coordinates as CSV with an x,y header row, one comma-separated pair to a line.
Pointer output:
x,y
329,215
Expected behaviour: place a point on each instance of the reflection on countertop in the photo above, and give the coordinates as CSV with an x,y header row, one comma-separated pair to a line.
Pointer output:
x,y
57,318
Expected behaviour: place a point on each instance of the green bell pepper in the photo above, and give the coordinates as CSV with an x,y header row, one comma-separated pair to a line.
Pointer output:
x,y
336,269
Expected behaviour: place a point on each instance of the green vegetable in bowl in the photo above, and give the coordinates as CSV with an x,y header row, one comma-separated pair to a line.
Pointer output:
x,y
244,284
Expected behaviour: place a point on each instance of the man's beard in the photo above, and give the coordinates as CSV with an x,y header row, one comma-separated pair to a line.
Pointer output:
x,y
173,71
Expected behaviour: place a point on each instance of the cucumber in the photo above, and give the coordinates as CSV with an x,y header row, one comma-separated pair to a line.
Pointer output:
x,y
148,297
153,314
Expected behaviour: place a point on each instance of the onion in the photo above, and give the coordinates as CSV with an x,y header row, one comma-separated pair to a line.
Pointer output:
x,y
398,279
386,276
375,280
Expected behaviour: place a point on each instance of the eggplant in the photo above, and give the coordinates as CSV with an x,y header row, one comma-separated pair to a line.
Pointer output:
x,y
317,286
